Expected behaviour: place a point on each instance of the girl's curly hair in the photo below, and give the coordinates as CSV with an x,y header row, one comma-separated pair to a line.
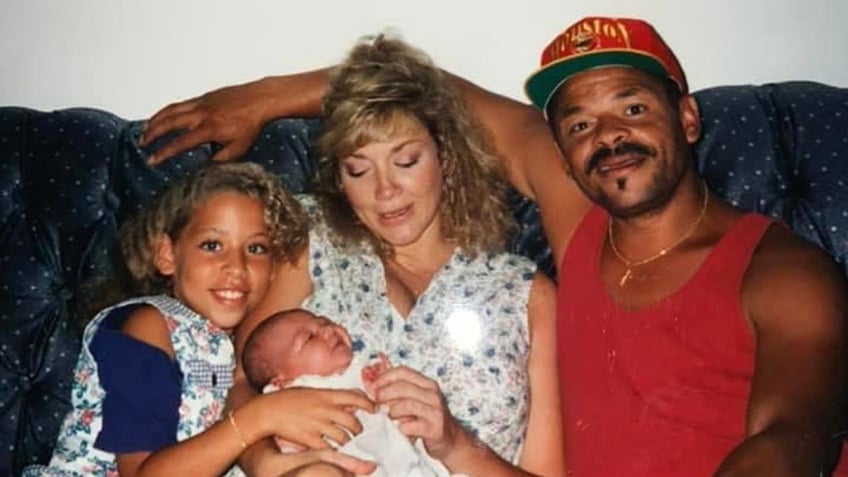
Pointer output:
x,y
170,213
383,86
134,273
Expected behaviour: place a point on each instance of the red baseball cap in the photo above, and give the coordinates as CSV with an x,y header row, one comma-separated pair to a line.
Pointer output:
x,y
596,42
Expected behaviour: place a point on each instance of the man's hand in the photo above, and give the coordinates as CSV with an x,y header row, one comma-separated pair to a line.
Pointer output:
x,y
234,116
231,116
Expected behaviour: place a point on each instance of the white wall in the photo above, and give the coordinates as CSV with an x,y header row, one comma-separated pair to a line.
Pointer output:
x,y
131,57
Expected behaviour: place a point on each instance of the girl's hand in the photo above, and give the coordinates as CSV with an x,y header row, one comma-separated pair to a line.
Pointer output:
x,y
307,416
417,404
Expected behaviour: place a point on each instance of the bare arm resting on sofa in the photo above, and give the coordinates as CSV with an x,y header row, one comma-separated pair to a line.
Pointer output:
x,y
794,392
233,117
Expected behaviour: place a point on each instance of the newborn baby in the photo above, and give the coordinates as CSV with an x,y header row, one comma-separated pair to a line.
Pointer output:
x,y
297,348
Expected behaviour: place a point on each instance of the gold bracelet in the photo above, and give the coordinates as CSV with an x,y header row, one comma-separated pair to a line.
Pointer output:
x,y
236,429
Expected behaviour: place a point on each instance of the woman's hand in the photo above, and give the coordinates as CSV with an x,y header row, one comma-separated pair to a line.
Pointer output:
x,y
419,407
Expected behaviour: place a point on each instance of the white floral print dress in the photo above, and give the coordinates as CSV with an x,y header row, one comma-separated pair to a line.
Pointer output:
x,y
206,360
468,331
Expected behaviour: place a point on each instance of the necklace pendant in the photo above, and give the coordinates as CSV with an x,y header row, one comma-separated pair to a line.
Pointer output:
x,y
625,277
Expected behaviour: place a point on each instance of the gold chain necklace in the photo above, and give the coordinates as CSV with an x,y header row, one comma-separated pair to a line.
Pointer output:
x,y
629,264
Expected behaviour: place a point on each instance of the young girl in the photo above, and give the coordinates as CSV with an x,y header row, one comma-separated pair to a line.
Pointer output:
x,y
154,371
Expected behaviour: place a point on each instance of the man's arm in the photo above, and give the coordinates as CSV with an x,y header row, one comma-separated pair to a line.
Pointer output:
x,y
233,116
796,300
522,137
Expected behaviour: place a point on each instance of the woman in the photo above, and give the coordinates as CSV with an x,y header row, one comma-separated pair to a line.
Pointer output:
x,y
406,251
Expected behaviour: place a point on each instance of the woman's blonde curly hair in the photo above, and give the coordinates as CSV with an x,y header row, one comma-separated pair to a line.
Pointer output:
x,y
381,87
286,221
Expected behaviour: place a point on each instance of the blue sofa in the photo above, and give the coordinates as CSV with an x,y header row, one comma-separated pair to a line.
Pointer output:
x,y
69,178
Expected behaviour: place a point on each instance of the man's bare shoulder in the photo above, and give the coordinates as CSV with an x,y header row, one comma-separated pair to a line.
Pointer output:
x,y
782,253
790,278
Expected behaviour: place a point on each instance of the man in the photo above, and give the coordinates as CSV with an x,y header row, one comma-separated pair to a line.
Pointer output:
x,y
676,310
694,339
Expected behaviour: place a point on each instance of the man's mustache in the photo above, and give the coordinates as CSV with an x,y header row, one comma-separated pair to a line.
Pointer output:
x,y
620,149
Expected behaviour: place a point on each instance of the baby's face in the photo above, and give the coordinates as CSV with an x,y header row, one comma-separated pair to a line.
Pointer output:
x,y
315,345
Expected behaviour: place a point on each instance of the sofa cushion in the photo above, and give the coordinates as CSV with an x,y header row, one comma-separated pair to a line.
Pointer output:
x,y
781,149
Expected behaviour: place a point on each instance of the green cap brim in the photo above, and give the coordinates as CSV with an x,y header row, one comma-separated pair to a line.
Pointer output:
x,y
542,84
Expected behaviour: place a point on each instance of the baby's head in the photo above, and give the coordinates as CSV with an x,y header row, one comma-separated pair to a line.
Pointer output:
x,y
294,343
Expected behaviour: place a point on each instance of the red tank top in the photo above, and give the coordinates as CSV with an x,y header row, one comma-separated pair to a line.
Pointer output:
x,y
661,391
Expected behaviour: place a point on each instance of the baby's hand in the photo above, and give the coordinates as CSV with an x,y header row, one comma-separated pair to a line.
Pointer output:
x,y
371,372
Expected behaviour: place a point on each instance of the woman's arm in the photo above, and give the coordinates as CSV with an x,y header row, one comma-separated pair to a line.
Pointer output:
x,y
543,448
289,287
